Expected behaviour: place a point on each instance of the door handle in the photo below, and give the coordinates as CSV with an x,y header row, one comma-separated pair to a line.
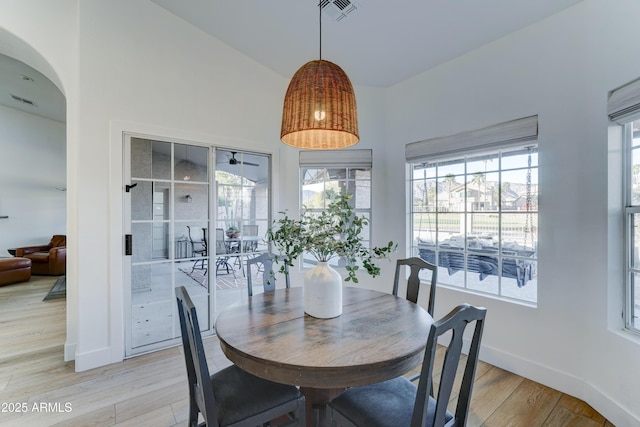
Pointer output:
x,y
128,244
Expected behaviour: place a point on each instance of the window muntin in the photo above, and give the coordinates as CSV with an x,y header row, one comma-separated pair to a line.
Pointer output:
x,y
477,215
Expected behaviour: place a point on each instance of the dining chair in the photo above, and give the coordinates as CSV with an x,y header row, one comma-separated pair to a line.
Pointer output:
x,y
231,396
198,249
399,402
416,265
264,263
413,282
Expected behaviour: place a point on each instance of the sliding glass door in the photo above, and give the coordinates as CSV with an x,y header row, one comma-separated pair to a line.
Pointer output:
x,y
190,225
167,204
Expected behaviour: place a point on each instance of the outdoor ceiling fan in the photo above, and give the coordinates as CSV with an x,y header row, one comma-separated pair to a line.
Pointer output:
x,y
234,161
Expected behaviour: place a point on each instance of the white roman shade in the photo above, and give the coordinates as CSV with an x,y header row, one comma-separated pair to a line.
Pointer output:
x,y
623,104
336,158
501,135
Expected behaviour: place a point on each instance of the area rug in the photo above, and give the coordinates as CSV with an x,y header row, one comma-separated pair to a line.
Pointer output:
x,y
222,281
59,289
197,275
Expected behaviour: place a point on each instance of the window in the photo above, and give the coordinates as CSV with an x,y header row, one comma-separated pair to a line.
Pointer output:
x,y
326,173
632,213
474,208
624,110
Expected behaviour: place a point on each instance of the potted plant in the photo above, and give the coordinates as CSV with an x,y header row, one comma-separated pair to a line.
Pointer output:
x,y
333,233
232,232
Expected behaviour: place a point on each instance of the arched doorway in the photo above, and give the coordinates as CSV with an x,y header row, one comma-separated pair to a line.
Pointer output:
x,y
34,162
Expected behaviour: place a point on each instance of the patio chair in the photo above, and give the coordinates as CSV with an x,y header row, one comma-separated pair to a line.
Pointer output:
x,y
198,249
223,252
250,232
264,263
398,402
230,397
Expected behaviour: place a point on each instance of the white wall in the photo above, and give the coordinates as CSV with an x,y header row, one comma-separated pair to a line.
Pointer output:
x,y
32,165
560,69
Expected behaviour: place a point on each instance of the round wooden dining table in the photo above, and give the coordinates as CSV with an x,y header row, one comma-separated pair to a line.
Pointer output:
x,y
377,337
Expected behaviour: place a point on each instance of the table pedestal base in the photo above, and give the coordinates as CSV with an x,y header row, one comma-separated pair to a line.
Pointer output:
x,y
316,400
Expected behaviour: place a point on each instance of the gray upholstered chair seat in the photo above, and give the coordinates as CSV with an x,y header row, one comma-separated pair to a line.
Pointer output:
x,y
239,395
386,404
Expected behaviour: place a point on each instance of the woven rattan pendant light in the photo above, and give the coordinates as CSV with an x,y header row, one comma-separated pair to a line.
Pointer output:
x,y
319,110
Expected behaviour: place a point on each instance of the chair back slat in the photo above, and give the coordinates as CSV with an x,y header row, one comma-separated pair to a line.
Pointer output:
x,y
464,399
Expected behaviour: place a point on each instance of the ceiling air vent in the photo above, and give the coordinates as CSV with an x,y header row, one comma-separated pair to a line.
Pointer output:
x,y
338,9
25,78
23,100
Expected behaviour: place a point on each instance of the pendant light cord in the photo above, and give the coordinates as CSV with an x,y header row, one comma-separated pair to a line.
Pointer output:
x,y
320,26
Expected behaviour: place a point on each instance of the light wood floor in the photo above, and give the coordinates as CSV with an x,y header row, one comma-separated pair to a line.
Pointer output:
x,y
150,390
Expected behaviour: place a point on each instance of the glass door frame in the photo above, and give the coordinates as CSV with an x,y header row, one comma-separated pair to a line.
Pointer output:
x,y
208,326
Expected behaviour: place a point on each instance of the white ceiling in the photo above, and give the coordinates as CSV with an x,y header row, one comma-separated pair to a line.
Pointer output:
x,y
49,101
378,44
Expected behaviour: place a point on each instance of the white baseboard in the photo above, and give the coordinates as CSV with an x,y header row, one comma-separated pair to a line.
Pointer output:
x,y
609,408
563,382
69,351
94,359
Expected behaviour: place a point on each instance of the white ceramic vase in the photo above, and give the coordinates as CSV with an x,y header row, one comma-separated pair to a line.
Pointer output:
x,y
323,292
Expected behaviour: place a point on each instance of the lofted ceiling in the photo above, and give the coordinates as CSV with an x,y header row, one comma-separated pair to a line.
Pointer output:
x,y
377,42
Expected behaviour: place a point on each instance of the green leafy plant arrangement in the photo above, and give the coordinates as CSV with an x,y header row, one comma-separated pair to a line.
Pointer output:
x,y
334,232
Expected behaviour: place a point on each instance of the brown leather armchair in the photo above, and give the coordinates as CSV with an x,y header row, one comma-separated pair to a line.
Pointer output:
x,y
47,260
